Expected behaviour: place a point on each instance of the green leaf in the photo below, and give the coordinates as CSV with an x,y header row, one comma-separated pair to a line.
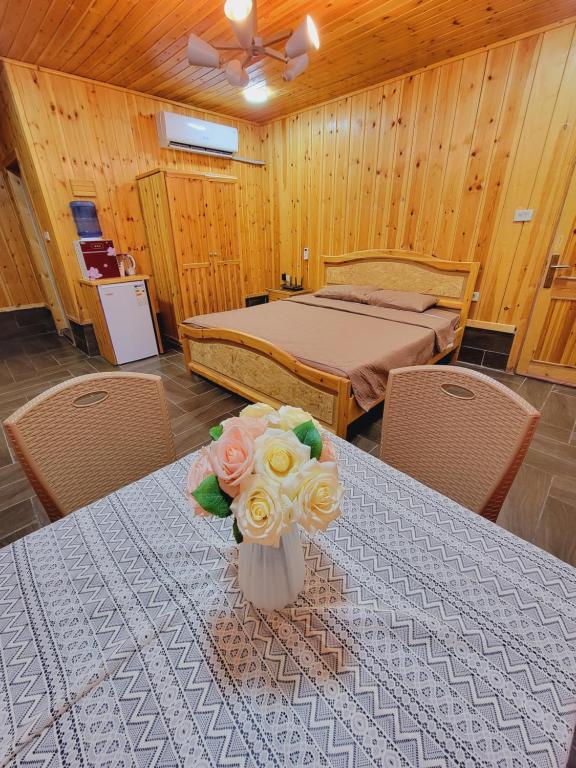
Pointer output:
x,y
237,533
309,435
216,431
211,497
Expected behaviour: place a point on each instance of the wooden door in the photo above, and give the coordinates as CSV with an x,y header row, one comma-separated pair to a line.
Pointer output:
x,y
37,249
549,350
189,210
224,245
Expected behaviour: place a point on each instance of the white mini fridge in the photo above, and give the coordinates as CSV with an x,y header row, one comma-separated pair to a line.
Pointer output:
x,y
129,319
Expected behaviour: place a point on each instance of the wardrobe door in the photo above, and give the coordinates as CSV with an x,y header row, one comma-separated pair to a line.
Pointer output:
x,y
224,244
189,208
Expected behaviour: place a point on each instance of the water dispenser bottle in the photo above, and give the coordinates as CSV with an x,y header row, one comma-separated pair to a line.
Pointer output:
x,y
86,219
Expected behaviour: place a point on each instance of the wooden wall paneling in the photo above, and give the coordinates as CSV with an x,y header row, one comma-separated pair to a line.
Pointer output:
x,y
405,127
367,203
416,177
21,136
341,176
353,199
515,102
82,129
460,143
388,134
316,174
17,272
447,98
304,195
481,150
527,165
438,161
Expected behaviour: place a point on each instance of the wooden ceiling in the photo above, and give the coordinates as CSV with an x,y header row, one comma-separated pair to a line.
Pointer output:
x,y
141,44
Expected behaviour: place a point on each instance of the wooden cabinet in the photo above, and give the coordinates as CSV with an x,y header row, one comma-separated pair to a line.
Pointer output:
x,y
192,228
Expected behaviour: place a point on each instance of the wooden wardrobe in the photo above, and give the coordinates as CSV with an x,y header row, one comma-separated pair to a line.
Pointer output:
x,y
192,228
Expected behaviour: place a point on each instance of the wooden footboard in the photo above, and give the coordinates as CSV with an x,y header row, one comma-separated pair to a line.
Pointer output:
x,y
261,372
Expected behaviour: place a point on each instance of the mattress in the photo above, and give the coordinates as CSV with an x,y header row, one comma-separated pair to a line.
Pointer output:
x,y
357,341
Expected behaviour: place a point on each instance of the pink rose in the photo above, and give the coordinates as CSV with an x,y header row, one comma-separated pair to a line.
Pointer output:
x,y
232,458
254,427
328,449
198,471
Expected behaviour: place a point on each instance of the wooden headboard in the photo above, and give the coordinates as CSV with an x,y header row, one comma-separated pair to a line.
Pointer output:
x,y
452,282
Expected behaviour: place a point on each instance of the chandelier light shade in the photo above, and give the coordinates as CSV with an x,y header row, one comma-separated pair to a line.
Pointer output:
x,y
237,10
295,67
303,40
201,53
235,74
242,16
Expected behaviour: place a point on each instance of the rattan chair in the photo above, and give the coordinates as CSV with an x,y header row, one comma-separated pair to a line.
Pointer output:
x,y
457,431
89,436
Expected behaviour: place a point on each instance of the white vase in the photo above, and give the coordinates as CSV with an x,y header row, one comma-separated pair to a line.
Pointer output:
x,y
272,577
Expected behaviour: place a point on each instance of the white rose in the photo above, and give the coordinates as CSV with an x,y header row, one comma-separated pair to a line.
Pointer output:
x,y
316,493
279,455
262,511
288,417
258,411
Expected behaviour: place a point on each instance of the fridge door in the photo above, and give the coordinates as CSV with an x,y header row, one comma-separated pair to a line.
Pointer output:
x,y
129,320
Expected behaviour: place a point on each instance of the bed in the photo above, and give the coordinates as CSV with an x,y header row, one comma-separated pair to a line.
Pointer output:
x,y
332,357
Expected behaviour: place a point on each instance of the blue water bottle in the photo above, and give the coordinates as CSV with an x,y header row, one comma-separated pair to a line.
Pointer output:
x,y
86,219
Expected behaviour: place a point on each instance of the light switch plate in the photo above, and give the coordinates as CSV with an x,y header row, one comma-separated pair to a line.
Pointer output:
x,y
476,296
523,214
306,254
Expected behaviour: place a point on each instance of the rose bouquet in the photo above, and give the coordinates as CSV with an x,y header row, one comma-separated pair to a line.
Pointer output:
x,y
268,469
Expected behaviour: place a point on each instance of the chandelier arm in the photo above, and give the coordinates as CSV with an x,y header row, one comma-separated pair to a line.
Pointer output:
x,y
278,38
274,54
228,47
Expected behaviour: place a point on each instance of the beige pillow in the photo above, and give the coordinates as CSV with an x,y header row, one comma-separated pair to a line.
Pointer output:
x,y
409,300
346,292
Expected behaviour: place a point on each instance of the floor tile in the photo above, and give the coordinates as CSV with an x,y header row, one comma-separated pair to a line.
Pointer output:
x,y
523,506
564,489
556,532
15,492
559,410
535,392
21,368
538,508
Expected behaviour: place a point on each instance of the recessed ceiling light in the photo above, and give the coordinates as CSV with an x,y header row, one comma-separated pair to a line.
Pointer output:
x,y
257,94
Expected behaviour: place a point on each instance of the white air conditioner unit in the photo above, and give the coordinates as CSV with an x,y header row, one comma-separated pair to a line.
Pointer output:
x,y
192,135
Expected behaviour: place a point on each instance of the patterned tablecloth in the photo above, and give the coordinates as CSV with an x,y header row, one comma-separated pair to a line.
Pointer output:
x,y
425,636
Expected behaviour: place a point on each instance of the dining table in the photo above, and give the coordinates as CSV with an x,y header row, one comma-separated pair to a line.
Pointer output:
x,y
424,635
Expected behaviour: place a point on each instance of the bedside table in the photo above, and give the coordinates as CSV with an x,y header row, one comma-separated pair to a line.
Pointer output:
x,y
279,294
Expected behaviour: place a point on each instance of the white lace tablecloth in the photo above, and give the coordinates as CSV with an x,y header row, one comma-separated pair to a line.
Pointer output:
x,y
425,636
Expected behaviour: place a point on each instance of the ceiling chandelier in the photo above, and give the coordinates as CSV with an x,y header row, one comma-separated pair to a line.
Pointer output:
x,y
242,17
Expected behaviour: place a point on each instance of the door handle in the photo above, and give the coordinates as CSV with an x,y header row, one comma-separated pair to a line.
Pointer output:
x,y
551,267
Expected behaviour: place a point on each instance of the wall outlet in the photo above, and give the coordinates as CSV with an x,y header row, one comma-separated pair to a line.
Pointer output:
x,y
523,214
306,254
476,296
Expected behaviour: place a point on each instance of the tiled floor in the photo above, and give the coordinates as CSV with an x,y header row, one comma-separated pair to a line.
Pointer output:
x,y
541,506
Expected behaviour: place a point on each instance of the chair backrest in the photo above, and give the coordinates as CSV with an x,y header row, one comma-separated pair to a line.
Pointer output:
x,y
457,431
89,436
